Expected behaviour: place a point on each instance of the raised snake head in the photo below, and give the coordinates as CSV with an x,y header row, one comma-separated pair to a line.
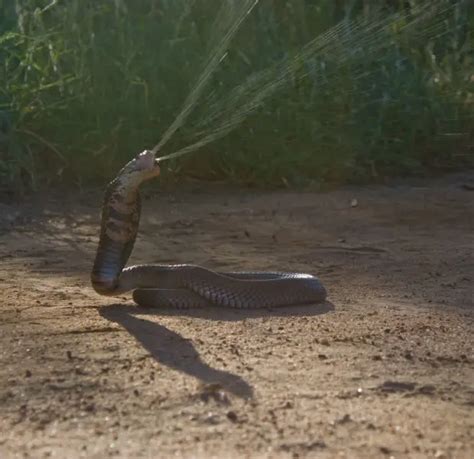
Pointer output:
x,y
141,168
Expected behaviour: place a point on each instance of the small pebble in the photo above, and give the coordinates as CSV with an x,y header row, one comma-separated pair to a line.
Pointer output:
x,y
232,416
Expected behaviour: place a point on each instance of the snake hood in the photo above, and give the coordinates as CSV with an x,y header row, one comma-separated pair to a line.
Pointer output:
x,y
120,220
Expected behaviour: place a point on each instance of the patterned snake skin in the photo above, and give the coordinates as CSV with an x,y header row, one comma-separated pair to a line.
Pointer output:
x,y
179,286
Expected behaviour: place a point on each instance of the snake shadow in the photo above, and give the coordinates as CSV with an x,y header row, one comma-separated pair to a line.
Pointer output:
x,y
172,350
236,314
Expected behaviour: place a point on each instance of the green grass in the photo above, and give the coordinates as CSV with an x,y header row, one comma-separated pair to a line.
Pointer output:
x,y
85,84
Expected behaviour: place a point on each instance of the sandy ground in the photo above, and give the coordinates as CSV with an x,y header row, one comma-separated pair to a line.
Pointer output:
x,y
384,369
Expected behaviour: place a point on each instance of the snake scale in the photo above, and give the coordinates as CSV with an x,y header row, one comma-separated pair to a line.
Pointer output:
x,y
179,286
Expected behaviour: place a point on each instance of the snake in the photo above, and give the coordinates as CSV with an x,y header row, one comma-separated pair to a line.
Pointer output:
x,y
179,285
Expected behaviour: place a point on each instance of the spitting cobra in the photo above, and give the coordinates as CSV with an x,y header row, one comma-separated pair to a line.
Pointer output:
x,y
179,286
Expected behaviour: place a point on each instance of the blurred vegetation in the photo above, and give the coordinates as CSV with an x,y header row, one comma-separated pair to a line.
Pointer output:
x,y
86,84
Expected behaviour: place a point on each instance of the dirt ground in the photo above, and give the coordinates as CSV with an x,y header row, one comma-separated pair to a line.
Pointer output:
x,y
384,369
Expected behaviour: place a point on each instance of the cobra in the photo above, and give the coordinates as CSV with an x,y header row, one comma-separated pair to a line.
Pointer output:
x,y
179,286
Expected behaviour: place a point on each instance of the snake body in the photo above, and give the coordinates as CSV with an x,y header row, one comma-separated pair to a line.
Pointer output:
x,y
179,286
